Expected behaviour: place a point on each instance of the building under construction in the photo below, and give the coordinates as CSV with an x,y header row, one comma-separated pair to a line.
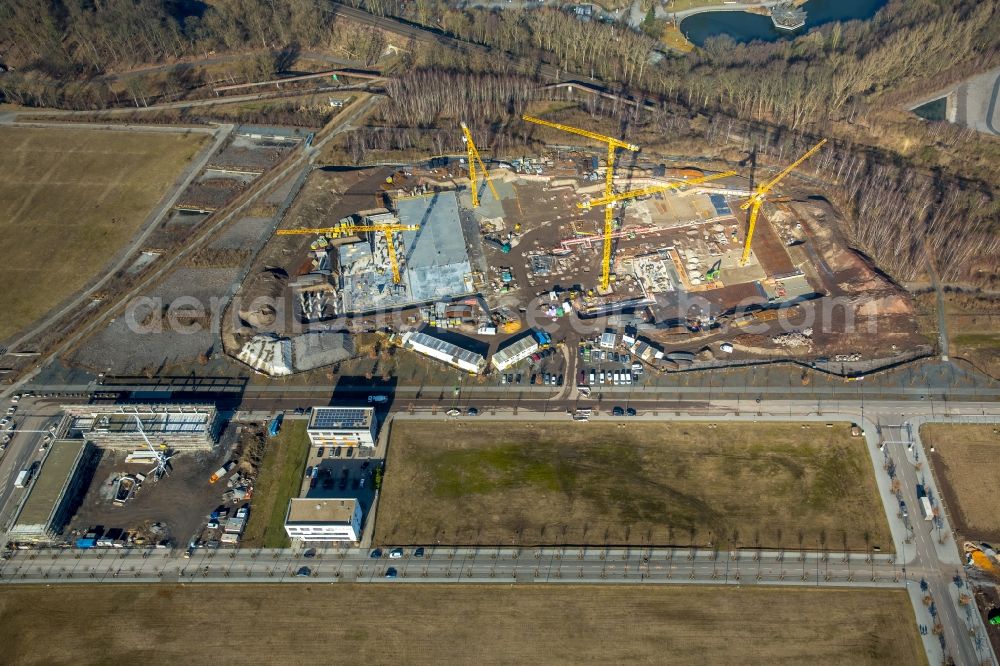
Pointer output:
x,y
179,427
432,260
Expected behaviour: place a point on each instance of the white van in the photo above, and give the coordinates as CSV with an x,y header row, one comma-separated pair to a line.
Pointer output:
x,y
22,478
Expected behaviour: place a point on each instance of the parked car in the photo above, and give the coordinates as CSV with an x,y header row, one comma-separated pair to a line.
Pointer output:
x,y
391,572
376,554
472,411
419,552
630,412
396,553
618,411
377,399
303,572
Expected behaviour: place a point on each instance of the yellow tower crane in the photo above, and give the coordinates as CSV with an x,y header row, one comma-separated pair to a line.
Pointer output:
x,y
473,159
613,145
756,199
652,189
350,229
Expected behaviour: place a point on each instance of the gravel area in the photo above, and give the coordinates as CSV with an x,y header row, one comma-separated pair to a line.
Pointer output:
x,y
211,194
139,341
244,153
243,233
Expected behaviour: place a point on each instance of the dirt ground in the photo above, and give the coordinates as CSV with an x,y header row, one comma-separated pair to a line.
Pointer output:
x,y
987,598
181,500
773,486
327,196
973,322
966,462
69,200
427,624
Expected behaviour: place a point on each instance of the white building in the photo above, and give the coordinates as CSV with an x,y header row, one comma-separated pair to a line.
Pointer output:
x,y
445,351
343,426
512,353
608,340
54,493
313,519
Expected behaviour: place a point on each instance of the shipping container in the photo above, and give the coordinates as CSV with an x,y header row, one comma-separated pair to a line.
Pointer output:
x,y
275,426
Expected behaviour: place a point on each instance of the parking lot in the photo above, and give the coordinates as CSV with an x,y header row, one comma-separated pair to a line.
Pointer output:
x,y
341,472
544,367
603,366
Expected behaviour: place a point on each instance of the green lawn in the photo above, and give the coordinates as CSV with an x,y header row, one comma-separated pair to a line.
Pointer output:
x,y
280,480
766,485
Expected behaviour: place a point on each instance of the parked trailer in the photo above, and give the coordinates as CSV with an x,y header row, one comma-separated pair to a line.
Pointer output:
x,y
925,502
925,506
221,472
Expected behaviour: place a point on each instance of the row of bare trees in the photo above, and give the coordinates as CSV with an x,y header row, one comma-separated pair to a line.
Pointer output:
x,y
898,215
421,98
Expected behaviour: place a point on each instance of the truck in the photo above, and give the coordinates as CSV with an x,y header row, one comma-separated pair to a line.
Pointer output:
x,y
22,478
221,472
544,339
925,502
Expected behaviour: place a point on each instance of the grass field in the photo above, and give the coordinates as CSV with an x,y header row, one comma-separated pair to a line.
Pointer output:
x,y
966,459
679,484
280,479
426,624
69,200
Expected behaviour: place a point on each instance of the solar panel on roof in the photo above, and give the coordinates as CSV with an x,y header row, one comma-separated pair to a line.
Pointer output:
x,y
340,417
719,202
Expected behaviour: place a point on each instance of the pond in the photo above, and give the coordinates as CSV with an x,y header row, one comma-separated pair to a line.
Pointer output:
x,y
746,27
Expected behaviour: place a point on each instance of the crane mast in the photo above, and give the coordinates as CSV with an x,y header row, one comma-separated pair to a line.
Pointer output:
x,y
473,159
756,199
613,145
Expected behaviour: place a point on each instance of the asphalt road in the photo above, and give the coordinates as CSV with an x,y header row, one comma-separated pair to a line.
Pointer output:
x,y
461,564
20,453
926,560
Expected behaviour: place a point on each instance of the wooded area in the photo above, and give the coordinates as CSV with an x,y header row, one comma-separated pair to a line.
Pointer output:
x,y
906,184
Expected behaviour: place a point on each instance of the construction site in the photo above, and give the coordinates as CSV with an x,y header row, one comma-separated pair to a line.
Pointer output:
x,y
473,250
